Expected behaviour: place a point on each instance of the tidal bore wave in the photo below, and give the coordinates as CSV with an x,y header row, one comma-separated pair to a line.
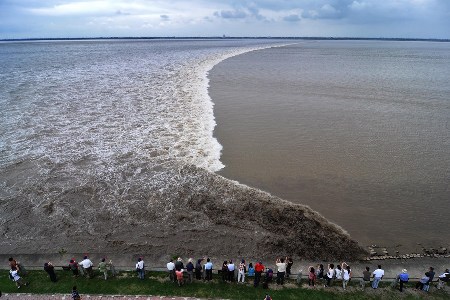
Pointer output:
x,y
115,150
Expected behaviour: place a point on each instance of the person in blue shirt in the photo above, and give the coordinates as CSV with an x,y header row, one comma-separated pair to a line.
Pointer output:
x,y
251,270
208,269
403,278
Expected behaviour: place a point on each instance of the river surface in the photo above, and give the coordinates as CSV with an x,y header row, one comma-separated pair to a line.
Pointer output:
x,y
357,130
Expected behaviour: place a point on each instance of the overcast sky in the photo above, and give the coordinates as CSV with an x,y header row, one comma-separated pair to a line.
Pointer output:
x,y
337,18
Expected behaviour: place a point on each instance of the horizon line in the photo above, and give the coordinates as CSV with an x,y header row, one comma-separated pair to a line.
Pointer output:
x,y
221,37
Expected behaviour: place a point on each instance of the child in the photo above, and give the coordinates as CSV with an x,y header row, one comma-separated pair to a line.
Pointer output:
x,y
311,276
251,270
179,275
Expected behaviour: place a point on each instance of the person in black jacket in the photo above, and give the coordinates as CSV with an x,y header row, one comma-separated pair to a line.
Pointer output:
x,y
48,267
179,264
190,270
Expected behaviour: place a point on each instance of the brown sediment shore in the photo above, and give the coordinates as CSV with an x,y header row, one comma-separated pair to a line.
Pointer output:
x,y
158,210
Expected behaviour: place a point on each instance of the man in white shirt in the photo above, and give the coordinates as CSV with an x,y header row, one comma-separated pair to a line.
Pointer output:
x,y
443,279
171,269
330,275
281,270
17,279
140,268
231,268
338,272
87,264
377,276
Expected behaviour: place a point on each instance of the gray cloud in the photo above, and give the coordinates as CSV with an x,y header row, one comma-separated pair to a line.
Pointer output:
x,y
292,18
231,14
371,18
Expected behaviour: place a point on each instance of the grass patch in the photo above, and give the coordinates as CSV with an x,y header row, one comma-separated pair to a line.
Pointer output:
x,y
157,283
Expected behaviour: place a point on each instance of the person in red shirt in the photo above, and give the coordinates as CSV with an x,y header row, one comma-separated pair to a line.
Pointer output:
x,y
259,268
179,275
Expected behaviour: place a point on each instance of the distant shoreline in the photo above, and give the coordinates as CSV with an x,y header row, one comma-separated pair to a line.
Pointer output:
x,y
230,38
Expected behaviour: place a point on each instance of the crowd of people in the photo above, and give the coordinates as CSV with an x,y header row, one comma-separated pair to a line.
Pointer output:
x,y
343,273
258,273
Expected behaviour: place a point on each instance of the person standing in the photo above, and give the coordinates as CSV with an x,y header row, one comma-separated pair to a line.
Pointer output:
x,y
17,279
366,278
112,269
140,268
330,275
338,272
208,269
426,286
179,275
281,270
73,265
231,271
224,271
251,270
377,276
241,271
86,265
48,267
190,270
179,266
311,276
75,294
198,269
443,279
289,263
320,271
403,278
259,268
171,270
13,264
19,267
103,268
346,275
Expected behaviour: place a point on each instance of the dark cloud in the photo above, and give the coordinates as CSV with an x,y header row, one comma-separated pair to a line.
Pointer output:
x,y
164,17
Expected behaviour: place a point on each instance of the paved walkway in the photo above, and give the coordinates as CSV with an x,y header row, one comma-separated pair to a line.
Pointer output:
x,y
87,297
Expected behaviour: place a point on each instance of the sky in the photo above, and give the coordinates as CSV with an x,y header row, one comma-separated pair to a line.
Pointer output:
x,y
209,18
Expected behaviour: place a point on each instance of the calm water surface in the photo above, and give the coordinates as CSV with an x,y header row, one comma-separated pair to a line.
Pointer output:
x,y
359,131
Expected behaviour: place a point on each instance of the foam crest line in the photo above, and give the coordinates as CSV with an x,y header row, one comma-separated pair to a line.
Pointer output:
x,y
205,104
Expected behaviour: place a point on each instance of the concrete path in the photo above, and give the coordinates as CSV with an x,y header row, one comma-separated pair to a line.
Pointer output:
x,y
87,297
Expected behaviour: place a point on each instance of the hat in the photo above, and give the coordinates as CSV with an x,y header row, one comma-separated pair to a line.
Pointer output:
x,y
404,271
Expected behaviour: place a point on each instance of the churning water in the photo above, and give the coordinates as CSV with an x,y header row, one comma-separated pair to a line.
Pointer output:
x,y
69,100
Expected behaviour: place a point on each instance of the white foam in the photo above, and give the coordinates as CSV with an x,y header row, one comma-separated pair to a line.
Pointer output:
x,y
204,105
147,102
